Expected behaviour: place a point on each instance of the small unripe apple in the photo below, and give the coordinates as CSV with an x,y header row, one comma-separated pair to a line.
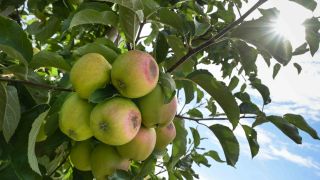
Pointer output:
x,y
80,155
165,135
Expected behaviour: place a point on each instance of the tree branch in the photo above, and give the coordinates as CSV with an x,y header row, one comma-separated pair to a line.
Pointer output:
x,y
30,83
139,32
217,36
213,118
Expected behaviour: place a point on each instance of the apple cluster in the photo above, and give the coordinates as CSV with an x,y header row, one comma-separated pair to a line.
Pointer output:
x,y
129,126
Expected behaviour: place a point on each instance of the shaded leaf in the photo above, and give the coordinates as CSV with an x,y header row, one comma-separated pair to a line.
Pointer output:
x,y
105,51
188,91
129,23
32,158
260,119
248,57
301,123
46,29
288,129
249,108
264,91
309,4
196,136
251,135
301,49
168,86
276,69
133,5
312,27
90,16
170,18
233,83
103,94
161,48
228,141
195,113
214,155
298,67
49,59
219,92
177,46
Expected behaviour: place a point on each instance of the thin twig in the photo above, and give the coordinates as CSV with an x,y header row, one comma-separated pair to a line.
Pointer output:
x,y
213,118
62,162
30,83
217,36
139,32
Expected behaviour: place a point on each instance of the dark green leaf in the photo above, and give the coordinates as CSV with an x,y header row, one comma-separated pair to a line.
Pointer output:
x,y
195,113
264,91
90,16
11,114
288,129
276,69
168,86
248,57
219,92
298,67
233,83
179,145
243,96
32,158
46,29
200,159
196,136
188,91
49,59
251,135
309,4
14,41
147,167
169,18
249,108
161,48
301,49
300,122
214,155
121,175
102,94
312,27
149,7
228,141
177,46
133,5
201,28
260,119
105,51
129,23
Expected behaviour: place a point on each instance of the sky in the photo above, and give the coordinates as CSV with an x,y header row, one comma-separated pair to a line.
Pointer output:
x,y
279,158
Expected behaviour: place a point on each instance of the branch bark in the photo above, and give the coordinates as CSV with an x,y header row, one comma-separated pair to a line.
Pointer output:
x,y
30,83
217,36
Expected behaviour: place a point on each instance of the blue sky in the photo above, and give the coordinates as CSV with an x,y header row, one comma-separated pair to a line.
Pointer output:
x,y
279,157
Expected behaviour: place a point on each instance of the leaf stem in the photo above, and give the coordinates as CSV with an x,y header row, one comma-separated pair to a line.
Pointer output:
x,y
30,83
217,36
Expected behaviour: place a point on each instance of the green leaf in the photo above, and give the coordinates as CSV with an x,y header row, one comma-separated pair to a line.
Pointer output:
x,y
248,57
188,91
133,5
49,59
259,33
243,96
249,108
196,136
233,83
298,67
251,135
168,86
3,103
288,129
195,113
309,4
177,46
129,23
301,49
260,119
201,28
300,122
161,48
312,27
102,94
11,113
179,143
228,141
214,155
264,91
276,69
200,159
32,158
170,18
14,41
90,16
105,51
45,29
147,167
219,92
149,7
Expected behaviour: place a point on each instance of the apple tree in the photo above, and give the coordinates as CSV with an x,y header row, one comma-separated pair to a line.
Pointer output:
x,y
40,41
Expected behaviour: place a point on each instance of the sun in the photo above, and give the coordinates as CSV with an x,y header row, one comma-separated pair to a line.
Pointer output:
x,y
281,28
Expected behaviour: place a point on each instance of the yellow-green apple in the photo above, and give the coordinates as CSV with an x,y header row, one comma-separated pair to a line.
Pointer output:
x,y
105,160
154,112
134,73
80,155
165,135
115,121
90,72
141,146
74,118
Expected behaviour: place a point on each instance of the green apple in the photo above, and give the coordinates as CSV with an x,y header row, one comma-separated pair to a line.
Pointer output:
x,y
80,155
141,146
154,111
89,73
74,120
165,135
105,160
134,74
115,121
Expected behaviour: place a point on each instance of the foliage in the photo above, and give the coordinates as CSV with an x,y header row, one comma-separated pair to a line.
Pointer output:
x,y
186,38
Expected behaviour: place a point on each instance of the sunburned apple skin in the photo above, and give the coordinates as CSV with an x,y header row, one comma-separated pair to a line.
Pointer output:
x,y
165,135
74,118
115,121
154,112
141,146
89,73
134,74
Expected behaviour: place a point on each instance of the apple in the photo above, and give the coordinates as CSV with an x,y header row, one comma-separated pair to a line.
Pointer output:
x,y
154,111
74,120
165,135
134,73
89,73
105,160
141,146
115,121
80,155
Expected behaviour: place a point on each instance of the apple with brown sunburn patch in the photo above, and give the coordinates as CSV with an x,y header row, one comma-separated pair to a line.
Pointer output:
x,y
165,135
134,74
